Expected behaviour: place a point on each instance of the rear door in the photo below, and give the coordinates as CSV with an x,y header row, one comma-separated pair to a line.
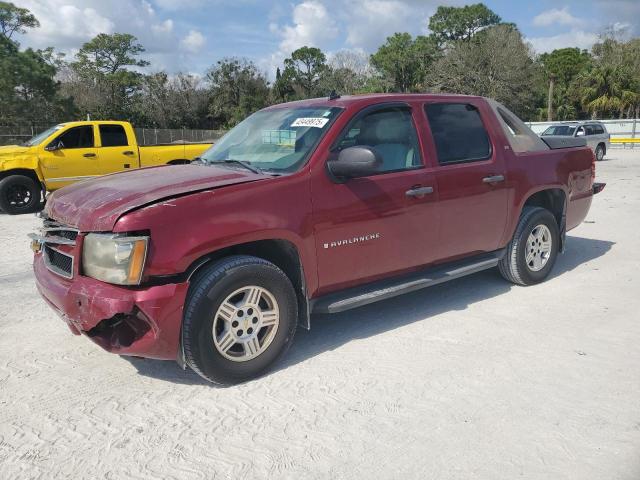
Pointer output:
x,y
471,177
371,227
590,136
117,150
69,157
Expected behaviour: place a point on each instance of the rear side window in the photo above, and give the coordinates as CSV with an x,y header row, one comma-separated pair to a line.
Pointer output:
x,y
458,132
113,136
599,129
590,129
520,137
77,137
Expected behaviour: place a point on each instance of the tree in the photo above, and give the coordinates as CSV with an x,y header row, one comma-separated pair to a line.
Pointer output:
x,y
496,63
28,90
608,91
404,61
15,20
451,24
305,67
612,85
180,101
237,90
562,66
101,65
347,73
283,86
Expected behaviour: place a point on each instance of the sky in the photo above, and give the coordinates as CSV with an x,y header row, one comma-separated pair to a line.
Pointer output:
x,y
191,35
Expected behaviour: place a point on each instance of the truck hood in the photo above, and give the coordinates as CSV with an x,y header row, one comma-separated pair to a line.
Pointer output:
x,y
96,204
9,151
13,149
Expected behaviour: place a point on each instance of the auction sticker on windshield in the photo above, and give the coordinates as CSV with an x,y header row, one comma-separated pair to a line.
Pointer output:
x,y
317,122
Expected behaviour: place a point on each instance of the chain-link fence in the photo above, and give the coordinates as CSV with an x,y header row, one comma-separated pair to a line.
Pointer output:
x,y
12,135
159,136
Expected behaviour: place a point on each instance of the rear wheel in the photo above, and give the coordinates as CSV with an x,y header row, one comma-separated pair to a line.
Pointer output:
x,y
534,248
600,152
240,317
19,194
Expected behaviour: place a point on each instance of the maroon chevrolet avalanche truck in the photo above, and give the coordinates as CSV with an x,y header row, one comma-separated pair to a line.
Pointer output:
x,y
308,207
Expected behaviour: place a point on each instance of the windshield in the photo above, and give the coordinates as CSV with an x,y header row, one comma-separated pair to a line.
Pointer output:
x,y
562,130
279,140
39,138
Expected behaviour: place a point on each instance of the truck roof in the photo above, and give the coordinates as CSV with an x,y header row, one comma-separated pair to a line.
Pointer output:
x,y
370,98
85,122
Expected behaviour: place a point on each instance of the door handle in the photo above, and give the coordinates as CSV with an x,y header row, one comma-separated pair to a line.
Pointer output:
x,y
128,152
89,155
493,179
419,191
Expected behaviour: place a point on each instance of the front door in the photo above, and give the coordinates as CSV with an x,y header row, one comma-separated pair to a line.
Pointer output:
x,y
69,157
471,178
371,227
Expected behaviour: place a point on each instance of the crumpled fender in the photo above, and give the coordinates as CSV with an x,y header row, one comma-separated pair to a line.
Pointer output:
x,y
26,160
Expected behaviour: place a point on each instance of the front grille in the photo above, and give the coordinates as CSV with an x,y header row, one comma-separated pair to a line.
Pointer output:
x,y
58,262
51,227
58,242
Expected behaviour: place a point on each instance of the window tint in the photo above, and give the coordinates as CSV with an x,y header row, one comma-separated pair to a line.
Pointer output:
x,y
589,129
458,132
390,131
77,137
560,130
599,129
113,136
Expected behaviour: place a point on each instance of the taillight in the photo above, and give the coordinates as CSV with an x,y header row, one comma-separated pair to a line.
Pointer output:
x,y
593,166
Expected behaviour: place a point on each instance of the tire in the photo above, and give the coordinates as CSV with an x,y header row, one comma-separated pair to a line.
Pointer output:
x,y
20,194
514,266
600,152
218,332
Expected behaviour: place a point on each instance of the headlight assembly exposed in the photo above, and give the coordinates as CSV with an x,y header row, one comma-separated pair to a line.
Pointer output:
x,y
114,258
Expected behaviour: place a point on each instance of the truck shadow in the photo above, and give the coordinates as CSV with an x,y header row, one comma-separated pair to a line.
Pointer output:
x,y
330,332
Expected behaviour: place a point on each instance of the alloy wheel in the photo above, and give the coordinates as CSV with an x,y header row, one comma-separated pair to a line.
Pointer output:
x,y
246,323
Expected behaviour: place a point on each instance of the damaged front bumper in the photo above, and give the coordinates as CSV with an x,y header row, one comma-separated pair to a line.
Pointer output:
x,y
143,321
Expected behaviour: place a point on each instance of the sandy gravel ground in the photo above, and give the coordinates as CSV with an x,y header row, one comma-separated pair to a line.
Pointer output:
x,y
472,379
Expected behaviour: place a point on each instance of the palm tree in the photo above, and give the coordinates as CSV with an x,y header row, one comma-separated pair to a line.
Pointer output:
x,y
607,90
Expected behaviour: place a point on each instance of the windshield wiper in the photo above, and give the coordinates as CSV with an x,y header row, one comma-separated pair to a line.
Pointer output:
x,y
241,163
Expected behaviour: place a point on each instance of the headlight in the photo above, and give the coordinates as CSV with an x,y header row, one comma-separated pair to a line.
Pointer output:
x,y
114,258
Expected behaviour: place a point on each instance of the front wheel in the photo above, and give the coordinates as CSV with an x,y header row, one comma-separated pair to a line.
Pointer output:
x,y
240,317
19,194
534,248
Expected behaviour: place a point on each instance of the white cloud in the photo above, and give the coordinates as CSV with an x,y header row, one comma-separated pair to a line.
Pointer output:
x,y
557,16
370,22
164,27
67,24
331,24
194,41
312,25
578,38
174,5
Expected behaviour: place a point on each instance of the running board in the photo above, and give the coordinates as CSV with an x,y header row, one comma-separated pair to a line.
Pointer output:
x,y
381,290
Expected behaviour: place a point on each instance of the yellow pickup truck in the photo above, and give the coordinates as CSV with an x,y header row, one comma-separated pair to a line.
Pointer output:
x,y
74,151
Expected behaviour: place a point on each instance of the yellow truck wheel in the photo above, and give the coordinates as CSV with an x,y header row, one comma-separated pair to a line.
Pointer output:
x,y
19,194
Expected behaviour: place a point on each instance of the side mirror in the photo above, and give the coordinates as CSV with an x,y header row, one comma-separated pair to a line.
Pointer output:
x,y
54,145
352,162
